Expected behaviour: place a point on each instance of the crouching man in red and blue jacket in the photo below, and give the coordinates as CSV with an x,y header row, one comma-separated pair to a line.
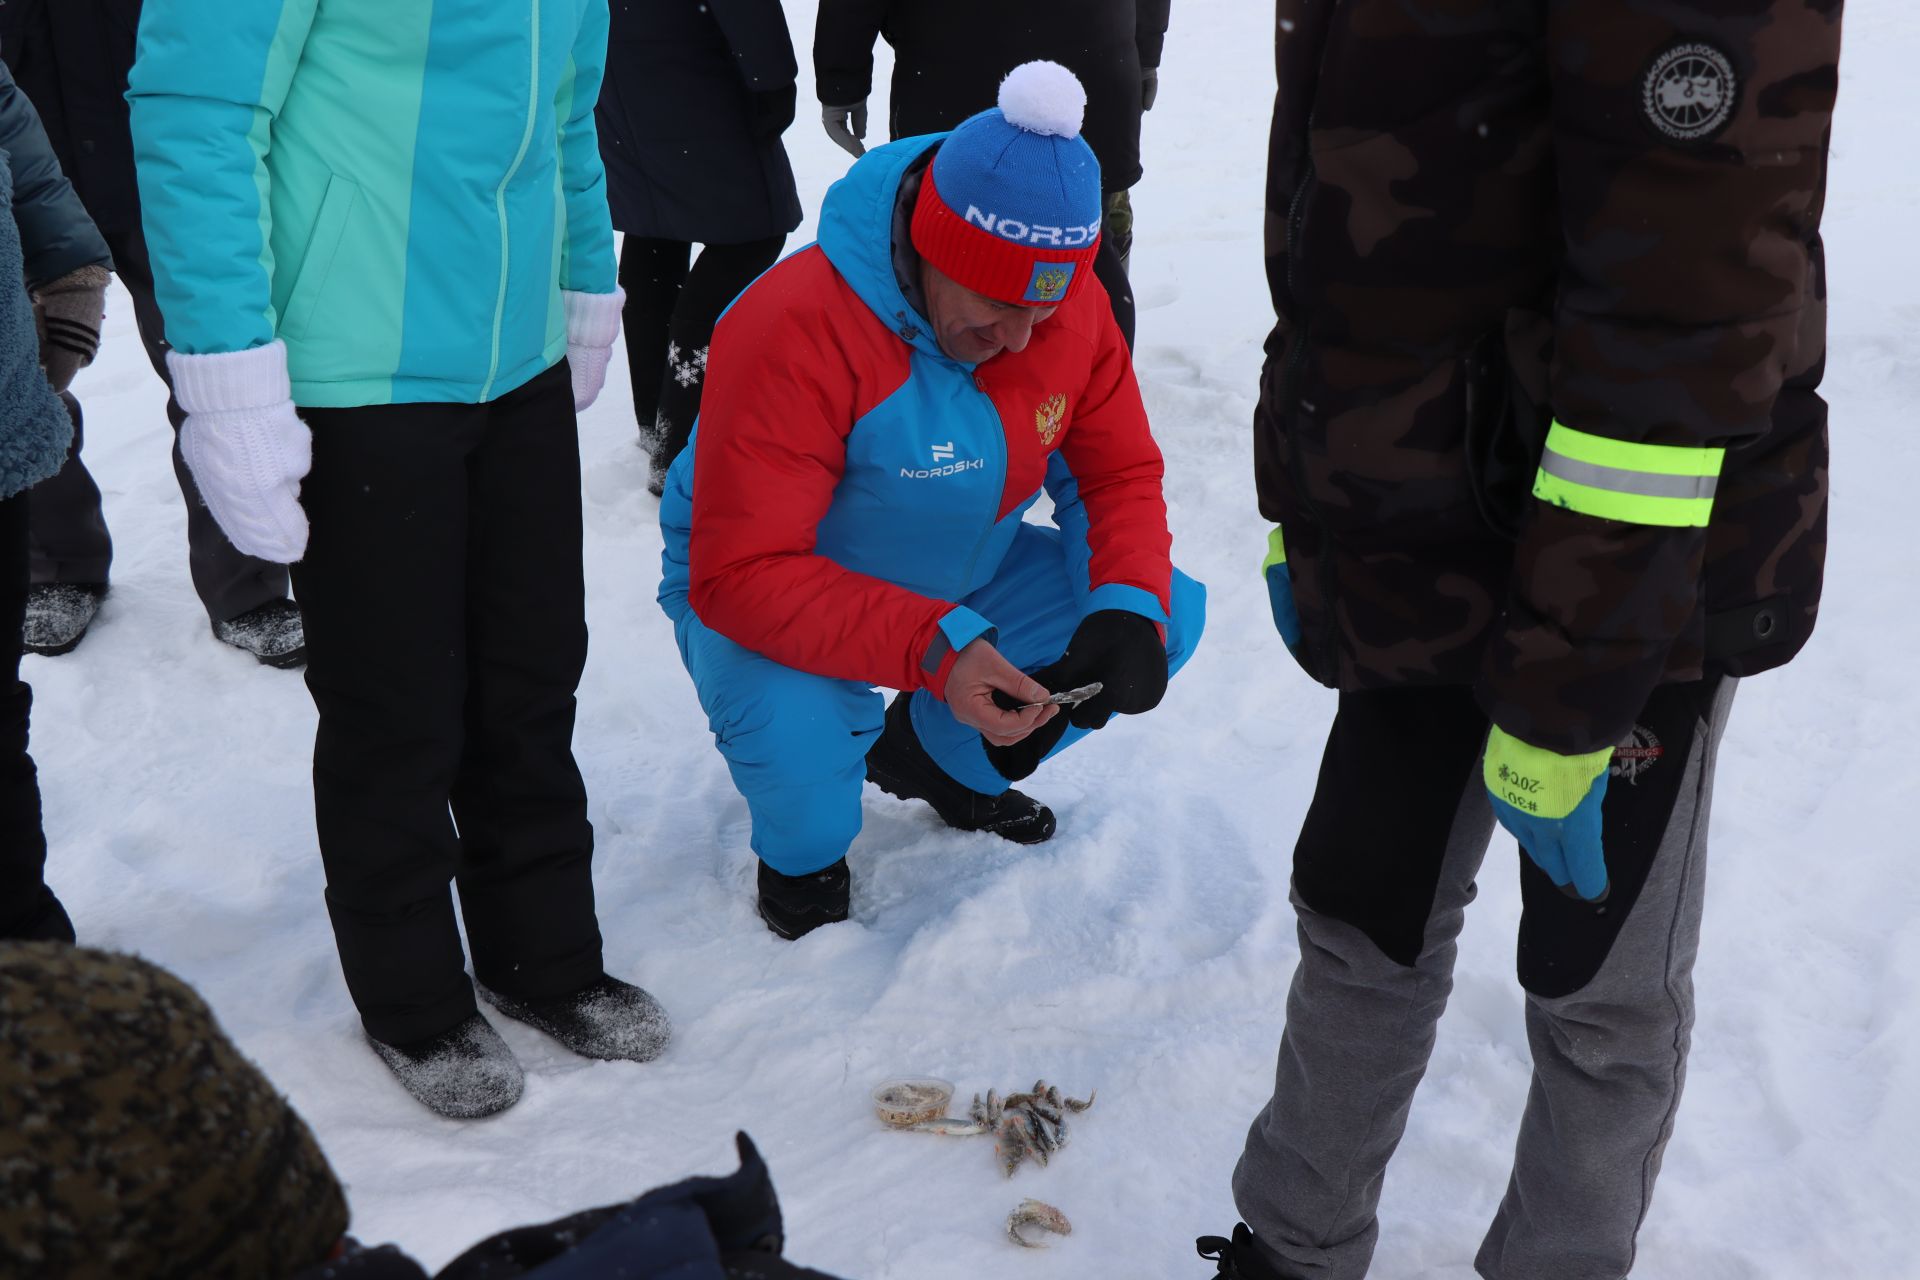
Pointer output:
x,y
881,410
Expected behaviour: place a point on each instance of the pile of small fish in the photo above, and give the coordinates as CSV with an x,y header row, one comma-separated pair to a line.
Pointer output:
x,y
1030,1124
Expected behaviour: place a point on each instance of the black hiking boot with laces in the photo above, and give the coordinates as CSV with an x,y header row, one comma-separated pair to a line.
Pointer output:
x,y
900,766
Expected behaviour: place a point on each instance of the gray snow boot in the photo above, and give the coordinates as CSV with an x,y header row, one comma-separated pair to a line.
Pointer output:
x,y
463,1073
58,615
272,632
606,1019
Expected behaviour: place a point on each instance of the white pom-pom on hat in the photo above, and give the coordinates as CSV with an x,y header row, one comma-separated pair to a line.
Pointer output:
x,y
1043,97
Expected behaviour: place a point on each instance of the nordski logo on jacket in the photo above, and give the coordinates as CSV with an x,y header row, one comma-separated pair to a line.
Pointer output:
x,y
950,469
1033,233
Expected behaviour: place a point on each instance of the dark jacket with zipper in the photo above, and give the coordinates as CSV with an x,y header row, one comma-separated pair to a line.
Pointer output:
x,y
71,58
949,60
696,97
1550,291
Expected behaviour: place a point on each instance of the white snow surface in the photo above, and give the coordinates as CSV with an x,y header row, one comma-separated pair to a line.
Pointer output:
x,y
1146,950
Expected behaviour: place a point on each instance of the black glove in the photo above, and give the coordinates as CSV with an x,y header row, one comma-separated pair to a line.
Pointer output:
x,y
1122,651
773,112
1149,87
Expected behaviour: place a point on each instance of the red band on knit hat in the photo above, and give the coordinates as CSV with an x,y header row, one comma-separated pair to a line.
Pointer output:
x,y
1004,269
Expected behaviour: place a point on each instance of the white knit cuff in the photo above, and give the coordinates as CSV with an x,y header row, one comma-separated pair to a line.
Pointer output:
x,y
231,380
593,319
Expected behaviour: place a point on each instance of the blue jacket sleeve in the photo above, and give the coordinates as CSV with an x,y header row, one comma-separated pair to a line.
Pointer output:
x,y
56,234
586,256
208,81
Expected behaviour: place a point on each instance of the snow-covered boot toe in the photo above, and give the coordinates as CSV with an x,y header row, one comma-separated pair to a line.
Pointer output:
x,y
900,766
58,615
463,1073
607,1019
273,633
797,905
1238,1258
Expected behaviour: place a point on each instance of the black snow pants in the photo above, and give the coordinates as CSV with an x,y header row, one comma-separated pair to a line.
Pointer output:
x,y
445,613
1381,891
668,321
28,909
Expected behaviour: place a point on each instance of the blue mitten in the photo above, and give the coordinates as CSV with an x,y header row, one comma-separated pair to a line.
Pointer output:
x,y
1286,618
1551,804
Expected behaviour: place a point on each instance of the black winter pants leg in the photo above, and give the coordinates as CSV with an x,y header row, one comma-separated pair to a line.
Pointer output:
x,y
28,909
445,613
652,272
1110,263
680,360
67,538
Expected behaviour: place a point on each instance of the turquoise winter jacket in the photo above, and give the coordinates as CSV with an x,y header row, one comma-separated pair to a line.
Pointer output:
x,y
399,189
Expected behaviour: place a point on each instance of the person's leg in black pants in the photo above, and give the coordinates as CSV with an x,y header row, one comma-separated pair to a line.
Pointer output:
x,y
67,535
1110,264
28,909
383,588
717,278
652,272
526,847
443,591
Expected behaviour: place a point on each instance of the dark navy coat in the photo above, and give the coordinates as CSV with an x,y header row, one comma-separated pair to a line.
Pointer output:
x,y
696,96
71,58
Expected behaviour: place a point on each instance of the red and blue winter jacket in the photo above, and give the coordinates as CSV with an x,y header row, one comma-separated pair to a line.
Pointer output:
x,y
848,482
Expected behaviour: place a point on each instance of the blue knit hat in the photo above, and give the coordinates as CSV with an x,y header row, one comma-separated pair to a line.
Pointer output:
x,y
1010,207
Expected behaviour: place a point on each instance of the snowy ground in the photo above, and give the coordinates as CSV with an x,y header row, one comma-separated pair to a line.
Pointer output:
x,y
1145,950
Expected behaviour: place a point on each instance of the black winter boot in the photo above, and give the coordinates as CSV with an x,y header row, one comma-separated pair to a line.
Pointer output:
x,y
606,1019
463,1073
900,766
1239,1258
797,905
45,921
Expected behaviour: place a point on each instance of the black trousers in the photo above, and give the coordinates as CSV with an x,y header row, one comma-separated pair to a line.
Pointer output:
x,y
446,633
1110,264
28,909
669,319
69,537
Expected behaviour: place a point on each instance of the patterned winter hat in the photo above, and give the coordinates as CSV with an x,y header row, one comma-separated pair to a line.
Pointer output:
x,y
135,1141
1010,207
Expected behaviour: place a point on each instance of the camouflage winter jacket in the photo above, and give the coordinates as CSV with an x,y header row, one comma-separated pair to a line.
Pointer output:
x,y
1540,410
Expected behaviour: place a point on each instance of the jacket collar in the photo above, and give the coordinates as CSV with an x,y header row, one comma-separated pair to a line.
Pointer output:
x,y
858,232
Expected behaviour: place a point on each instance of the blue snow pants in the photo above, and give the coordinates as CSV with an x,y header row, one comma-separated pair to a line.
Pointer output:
x,y
796,743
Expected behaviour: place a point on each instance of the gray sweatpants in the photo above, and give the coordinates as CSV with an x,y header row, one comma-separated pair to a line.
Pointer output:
x,y
1381,893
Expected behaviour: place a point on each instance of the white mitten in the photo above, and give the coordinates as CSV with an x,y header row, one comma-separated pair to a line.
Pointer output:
x,y
593,322
246,447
